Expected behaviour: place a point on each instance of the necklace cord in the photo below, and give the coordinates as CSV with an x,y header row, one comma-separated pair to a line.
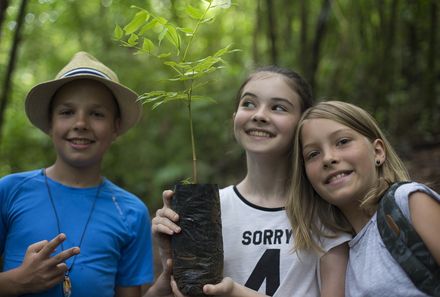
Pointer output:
x,y
58,220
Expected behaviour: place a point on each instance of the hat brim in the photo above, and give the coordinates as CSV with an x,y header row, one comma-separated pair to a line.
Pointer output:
x,y
39,98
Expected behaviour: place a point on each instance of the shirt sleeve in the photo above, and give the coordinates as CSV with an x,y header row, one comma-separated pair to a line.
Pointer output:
x,y
404,191
3,229
327,243
136,263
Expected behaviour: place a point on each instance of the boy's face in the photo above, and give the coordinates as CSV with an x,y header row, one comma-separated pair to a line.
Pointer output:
x,y
83,123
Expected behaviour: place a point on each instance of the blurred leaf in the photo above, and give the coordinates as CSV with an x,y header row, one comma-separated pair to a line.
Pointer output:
x,y
139,19
148,45
193,12
132,41
118,33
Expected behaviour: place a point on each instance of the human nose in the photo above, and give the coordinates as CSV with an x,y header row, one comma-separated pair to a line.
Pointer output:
x,y
260,115
81,121
329,158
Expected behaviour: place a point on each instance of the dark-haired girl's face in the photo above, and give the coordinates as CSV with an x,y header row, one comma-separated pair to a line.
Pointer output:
x,y
267,115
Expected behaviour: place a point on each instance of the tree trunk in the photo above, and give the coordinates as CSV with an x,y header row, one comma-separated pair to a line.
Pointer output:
x,y
386,64
288,32
303,52
321,27
256,34
272,27
4,96
433,116
3,6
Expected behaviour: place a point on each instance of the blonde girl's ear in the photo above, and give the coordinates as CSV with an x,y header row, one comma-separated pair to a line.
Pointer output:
x,y
379,151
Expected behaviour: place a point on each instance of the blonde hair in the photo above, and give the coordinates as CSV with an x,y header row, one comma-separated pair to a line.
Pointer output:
x,y
309,214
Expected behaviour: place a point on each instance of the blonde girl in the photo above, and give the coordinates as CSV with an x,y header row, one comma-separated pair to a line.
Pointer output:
x,y
342,164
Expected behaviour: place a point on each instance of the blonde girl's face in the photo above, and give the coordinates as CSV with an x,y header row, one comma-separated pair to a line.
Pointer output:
x,y
267,115
340,163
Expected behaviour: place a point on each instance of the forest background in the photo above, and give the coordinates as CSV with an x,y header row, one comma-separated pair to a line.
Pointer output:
x,y
380,54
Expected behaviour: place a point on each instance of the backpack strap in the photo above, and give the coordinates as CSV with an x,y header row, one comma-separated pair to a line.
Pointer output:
x,y
405,245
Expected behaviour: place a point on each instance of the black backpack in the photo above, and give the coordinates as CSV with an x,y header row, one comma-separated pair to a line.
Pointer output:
x,y
406,246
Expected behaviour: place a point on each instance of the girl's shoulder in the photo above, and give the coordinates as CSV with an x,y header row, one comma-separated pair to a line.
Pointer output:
x,y
404,191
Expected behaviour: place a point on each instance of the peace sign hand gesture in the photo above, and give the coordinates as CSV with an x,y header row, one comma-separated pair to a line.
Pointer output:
x,y
39,271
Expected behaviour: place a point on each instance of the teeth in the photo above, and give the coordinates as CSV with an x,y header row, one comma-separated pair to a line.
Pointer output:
x,y
259,133
336,177
80,141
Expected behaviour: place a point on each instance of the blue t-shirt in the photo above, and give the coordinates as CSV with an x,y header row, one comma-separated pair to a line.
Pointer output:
x,y
116,249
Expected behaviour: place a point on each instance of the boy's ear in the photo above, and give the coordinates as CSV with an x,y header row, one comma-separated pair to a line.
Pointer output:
x,y
117,128
379,150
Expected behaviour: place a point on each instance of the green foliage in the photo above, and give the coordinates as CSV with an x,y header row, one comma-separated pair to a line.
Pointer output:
x,y
159,37
356,51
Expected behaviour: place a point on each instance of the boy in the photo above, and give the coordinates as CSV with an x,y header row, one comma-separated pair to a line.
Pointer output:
x,y
65,230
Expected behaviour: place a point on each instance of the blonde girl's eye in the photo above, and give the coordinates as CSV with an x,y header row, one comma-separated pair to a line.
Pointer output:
x,y
310,155
343,141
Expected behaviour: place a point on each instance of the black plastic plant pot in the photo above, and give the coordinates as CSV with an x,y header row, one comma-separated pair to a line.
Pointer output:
x,y
198,248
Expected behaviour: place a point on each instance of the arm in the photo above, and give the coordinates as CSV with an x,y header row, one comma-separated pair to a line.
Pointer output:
x,y
164,226
425,214
227,287
162,287
332,271
134,291
39,271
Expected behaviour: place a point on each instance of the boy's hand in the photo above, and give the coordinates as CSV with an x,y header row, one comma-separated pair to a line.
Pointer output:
x,y
164,225
39,271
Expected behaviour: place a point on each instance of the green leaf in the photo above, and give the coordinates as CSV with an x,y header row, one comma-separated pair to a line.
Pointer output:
x,y
187,31
118,32
173,36
148,45
157,98
208,20
177,65
222,51
132,41
193,12
161,20
148,26
164,55
139,18
162,34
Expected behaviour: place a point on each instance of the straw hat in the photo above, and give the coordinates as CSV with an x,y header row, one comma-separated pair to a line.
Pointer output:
x,y
82,66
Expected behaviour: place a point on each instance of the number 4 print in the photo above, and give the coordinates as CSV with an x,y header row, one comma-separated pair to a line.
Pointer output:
x,y
267,268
